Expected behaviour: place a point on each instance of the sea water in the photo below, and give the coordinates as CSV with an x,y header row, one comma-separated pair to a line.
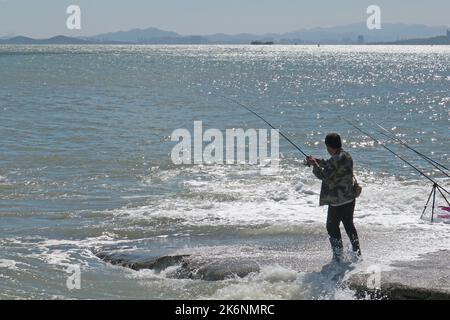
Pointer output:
x,y
85,164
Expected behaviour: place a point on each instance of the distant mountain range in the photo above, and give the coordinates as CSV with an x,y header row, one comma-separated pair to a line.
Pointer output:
x,y
351,32
439,40
134,35
347,34
53,40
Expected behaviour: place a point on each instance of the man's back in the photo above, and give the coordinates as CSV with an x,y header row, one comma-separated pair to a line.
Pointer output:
x,y
336,174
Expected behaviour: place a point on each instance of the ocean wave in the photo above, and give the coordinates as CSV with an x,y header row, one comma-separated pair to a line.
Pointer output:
x,y
8,264
3,180
289,197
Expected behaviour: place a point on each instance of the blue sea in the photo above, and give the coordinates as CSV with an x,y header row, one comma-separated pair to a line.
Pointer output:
x,y
85,165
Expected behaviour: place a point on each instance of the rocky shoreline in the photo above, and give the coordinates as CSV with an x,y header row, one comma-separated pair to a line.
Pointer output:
x,y
427,278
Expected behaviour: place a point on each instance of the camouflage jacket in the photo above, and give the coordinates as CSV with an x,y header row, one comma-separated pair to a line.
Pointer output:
x,y
336,174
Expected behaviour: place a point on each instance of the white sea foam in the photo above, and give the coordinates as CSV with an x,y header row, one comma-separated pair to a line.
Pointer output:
x,y
291,197
8,264
276,282
287,204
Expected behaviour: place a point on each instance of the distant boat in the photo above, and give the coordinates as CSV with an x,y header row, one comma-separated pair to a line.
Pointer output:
x,y
262,42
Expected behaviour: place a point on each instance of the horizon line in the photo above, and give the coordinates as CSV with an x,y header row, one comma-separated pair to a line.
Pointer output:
x,y
224,33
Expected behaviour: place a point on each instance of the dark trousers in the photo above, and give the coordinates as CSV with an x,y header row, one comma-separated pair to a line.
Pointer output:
x,y
343,214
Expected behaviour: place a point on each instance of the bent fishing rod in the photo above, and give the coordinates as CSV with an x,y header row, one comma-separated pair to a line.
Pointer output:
x,y
431,161
397,155
267,122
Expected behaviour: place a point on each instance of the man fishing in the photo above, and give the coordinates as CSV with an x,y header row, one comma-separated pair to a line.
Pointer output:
x,y
338,191
339,188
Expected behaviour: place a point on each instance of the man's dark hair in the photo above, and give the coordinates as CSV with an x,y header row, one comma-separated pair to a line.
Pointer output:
x,y
333,140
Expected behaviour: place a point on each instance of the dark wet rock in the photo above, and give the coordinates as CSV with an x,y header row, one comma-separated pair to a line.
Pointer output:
x,y
139,261
426,278
189,267
217,270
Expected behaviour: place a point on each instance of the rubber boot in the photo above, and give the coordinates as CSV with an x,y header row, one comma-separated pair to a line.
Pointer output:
x,y
356,247
356,255
337,247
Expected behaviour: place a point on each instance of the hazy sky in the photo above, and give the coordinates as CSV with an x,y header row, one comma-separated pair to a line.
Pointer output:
x,y
42,18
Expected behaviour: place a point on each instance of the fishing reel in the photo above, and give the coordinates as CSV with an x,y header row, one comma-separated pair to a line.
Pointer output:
x,y
305,163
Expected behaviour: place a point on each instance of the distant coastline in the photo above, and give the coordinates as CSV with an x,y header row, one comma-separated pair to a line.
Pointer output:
x,y
355,34
63,40
255,43
438,40
54,40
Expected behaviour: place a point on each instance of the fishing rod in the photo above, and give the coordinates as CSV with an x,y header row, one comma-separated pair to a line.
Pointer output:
x,y
431,161
267,122
398,156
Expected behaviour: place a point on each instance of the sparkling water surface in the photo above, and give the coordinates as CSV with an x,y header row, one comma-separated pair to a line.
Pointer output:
x,y
85,163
